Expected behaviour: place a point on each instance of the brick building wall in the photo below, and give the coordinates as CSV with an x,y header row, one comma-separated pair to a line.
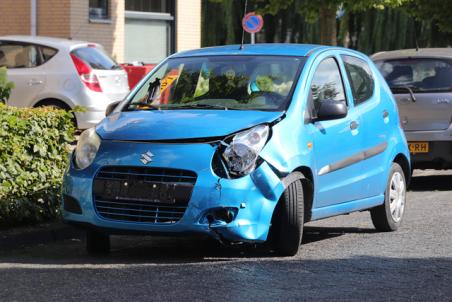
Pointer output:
x,y
15,17
53,18
109,33
70,19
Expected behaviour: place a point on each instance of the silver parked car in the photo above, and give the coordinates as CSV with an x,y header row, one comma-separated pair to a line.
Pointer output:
x,y
421,81
62,73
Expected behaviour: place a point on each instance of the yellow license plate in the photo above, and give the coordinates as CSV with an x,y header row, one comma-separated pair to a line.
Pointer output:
x,y
418,147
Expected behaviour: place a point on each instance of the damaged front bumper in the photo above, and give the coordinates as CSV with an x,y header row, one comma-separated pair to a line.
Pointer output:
x,y
235,210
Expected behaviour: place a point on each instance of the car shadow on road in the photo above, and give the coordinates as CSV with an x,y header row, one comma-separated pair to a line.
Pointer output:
x,y
162,250
431,183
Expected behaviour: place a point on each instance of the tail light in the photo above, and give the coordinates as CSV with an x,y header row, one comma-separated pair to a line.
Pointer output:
x,y
86,74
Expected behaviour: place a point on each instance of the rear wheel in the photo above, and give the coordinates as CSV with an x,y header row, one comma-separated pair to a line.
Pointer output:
x,y
388,216
287,225
97,243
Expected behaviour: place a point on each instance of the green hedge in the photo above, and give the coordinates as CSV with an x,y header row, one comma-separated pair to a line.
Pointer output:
x,y
34,146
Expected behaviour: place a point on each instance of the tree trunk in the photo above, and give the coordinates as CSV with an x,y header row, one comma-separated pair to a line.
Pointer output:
x,y
327,20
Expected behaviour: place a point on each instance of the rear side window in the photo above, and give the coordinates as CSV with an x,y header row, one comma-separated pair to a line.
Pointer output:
x,y
96,58
14,55
360,77
327,83
420,74
47,53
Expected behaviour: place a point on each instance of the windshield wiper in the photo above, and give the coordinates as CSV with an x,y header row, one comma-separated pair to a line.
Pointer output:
x,y
406,88
203,106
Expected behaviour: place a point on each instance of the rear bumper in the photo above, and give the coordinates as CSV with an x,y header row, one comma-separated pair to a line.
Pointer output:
x,y
427,136
95,104
438,157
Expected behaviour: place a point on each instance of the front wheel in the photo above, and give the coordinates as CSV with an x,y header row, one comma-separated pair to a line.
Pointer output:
x,y
388,216
287,225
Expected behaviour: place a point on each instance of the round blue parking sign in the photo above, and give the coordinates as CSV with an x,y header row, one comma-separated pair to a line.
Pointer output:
x,y
252,23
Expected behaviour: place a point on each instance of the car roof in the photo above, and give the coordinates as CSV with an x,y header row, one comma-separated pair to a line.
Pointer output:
x,y
413,53
48,41
279,49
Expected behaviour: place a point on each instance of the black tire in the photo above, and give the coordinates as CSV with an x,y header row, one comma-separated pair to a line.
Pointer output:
x,y
382,218
287,225
97,243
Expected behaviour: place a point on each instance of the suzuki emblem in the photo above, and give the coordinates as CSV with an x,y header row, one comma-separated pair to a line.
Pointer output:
x,y
146,158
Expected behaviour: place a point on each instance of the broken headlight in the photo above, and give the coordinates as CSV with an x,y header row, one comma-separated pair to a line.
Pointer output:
x,y
242,152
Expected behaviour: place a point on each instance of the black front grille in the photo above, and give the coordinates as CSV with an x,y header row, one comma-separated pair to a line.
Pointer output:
x,y
139,194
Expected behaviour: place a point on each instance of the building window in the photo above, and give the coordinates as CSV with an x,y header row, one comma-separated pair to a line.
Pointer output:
x,y
154,6
99,10
149,30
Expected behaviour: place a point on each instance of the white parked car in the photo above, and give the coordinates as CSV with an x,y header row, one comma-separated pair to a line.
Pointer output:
x,y
62,73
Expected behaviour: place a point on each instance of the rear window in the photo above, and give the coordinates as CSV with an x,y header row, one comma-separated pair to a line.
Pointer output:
x,y
96,58
47,53
421,75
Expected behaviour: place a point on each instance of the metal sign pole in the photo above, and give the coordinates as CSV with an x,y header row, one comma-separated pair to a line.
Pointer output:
x,y
253,38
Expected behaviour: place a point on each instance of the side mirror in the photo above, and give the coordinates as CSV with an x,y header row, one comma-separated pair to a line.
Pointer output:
x,y
111,107
331,110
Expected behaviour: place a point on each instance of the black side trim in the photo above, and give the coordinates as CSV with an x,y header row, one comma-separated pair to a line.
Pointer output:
x,y
353,159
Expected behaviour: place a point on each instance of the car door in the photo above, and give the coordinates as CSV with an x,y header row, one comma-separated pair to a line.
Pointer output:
x,y
23,61
336,142
377,118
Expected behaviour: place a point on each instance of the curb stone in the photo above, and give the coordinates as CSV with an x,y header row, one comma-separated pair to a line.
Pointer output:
x,y
34,235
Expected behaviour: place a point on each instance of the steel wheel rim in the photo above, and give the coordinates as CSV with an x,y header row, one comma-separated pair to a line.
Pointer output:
x,y
397,192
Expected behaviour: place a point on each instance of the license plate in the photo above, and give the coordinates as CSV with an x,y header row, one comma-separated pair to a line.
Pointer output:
x,y
418,147
137,190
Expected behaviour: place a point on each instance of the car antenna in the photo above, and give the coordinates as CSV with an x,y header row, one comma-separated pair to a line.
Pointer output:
x,y
415,37
243,30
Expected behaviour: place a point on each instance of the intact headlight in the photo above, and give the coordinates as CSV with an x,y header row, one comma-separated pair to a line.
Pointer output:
x,y
87,147
241,154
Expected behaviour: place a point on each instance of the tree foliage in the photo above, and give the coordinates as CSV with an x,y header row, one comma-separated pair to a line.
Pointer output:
x,y
367,30
438,11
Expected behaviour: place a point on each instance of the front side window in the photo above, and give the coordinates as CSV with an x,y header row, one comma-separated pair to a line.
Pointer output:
x,y
360,77
327,83
422,75
18,55
227,82
99,9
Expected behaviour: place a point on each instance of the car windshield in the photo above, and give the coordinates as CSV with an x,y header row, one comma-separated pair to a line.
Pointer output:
x,y
420,75
220,82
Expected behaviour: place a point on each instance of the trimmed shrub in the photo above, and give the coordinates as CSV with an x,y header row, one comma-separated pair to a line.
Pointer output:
x,y
5,85
34,148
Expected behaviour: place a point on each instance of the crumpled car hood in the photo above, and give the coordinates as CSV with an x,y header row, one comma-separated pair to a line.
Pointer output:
x,y
179,124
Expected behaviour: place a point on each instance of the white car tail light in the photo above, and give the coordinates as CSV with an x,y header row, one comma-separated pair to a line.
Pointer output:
x,y
86,74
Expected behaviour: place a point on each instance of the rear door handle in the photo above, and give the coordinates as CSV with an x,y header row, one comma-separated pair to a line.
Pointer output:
x,y
34,82
354,125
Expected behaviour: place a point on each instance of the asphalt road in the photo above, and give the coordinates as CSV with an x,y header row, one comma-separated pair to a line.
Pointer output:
x,y
341,259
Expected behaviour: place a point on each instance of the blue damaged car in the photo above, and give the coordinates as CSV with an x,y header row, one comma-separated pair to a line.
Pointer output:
x,y
245,145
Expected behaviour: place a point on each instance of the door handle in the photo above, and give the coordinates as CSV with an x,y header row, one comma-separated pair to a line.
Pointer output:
x,y
385,113
354,125
34,82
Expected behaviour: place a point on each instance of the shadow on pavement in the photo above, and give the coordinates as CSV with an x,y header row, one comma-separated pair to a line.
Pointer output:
x,y
161,250
431,183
